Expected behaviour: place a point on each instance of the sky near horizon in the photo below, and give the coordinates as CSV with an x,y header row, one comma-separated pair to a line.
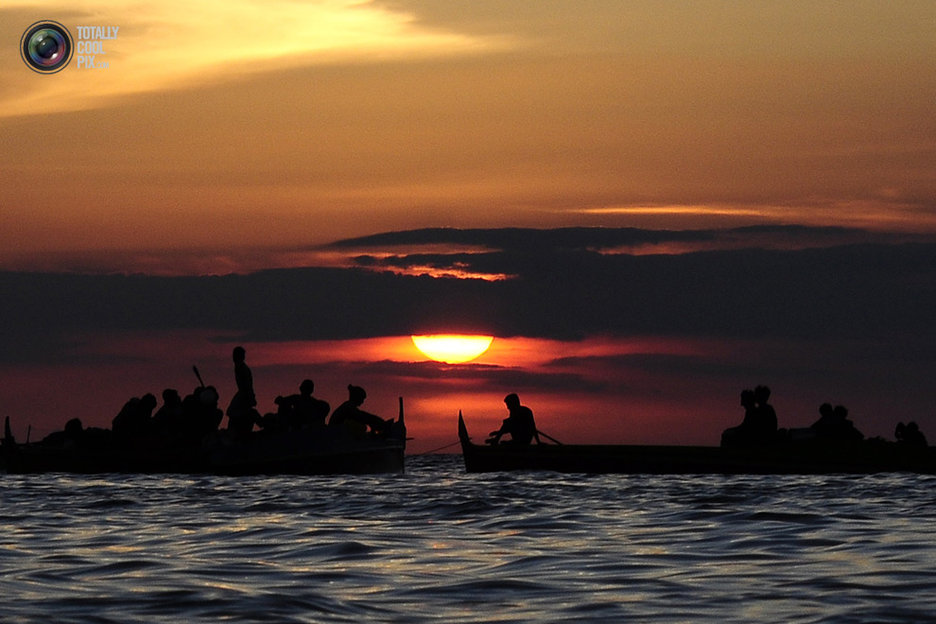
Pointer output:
x,y
234,137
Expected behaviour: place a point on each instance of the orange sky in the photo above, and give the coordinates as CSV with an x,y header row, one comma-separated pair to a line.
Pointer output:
x,y
235,136
232,124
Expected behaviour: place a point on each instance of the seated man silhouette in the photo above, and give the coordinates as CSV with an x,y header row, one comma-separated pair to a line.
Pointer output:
x,y
168,419
759,426
910,435
740,435
834,426
308,411
200,413
297,411
353,419
70,436
765,422
280,419
519,424
134,421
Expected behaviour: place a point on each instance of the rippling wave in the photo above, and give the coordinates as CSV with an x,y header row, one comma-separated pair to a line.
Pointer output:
x,y
439,545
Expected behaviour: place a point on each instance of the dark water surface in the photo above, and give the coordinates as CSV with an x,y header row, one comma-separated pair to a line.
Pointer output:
x,y
439,545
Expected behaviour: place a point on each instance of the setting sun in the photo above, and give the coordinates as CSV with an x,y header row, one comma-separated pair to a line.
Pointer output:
x,y
452,348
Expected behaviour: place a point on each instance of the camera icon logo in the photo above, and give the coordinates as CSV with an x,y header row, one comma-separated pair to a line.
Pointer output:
x,y
46,47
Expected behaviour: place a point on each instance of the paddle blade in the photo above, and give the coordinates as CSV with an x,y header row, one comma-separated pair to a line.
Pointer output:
x,y
198,376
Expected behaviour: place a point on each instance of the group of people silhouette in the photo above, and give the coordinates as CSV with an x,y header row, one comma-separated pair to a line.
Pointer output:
x,y
834,424
759,426
198,414
192,418
910,435
177,420
760,420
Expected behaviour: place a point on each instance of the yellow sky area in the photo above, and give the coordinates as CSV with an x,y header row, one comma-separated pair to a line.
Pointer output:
x,y
245,124
175,44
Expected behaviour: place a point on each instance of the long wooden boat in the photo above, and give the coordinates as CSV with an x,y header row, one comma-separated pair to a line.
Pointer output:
x,y
315,451
812,457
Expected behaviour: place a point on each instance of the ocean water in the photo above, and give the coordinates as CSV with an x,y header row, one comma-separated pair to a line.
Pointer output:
x,y
440,545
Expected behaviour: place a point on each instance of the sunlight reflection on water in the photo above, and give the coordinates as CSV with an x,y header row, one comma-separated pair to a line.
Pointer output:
x,y
440,545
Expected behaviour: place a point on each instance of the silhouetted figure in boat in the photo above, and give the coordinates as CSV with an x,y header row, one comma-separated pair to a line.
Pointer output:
x,y
307,411
168,419
69,437
825,426
759,426
352,418
201,414
241,413
834,426
134,421
765,418
280,419
519,424
910,435
74,429
297,411
735,436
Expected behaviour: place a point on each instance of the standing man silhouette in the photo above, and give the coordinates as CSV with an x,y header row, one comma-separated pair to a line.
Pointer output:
x,y
241,413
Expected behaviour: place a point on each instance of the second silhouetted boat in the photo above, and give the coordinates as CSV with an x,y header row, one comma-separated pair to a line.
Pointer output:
x,y
807,457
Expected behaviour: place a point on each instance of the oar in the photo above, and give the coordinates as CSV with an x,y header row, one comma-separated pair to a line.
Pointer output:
x,y
548,437
195,369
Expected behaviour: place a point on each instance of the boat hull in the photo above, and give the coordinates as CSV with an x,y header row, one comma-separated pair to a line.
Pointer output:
x,y
311,451
800,458
301,453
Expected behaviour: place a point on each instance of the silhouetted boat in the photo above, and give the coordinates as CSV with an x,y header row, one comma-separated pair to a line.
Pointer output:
x,y
868,456
323,450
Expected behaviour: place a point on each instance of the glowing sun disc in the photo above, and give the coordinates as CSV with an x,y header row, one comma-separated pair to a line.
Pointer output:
x,y
452,348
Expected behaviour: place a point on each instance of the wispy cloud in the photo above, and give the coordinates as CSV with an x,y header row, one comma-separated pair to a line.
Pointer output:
x,y
173,45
